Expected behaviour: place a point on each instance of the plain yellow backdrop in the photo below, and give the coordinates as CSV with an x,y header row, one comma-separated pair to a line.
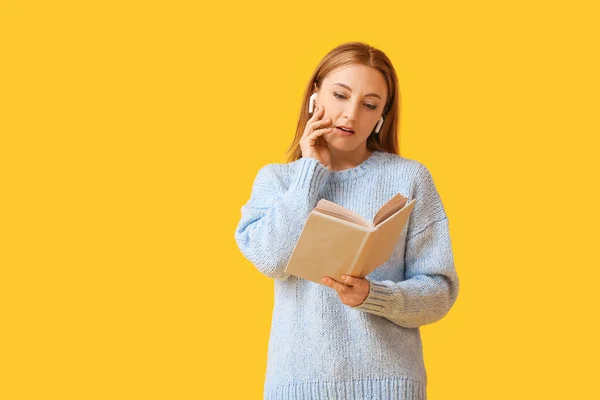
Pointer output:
x,y
131,133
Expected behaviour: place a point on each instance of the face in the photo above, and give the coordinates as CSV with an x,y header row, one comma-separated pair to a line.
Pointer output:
x,y
352,96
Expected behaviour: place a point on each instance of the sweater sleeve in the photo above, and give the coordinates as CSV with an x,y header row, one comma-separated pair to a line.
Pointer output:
x,y
273,218
431,284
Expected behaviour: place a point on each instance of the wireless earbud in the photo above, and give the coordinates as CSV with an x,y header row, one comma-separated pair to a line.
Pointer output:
x,y
311,103
378,127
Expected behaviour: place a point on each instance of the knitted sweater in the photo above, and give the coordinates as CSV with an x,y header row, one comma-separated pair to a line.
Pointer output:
x,y
320,348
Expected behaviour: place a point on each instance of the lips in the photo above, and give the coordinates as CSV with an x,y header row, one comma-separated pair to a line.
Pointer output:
x,y
345,128
342,132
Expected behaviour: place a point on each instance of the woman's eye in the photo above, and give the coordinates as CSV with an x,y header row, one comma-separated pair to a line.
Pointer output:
x,y
341,96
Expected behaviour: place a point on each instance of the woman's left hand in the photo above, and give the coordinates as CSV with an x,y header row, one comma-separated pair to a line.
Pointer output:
x,y
352,292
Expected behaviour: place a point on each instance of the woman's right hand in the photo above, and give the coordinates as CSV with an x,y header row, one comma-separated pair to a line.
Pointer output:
x,y
309,143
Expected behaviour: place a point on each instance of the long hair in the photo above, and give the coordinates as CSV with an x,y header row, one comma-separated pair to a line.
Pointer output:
x,y
344,55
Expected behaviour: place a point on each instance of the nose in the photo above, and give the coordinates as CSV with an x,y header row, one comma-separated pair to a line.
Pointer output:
x,y
351,110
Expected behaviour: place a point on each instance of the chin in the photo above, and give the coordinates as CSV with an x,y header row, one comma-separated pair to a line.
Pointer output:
x,y
344,144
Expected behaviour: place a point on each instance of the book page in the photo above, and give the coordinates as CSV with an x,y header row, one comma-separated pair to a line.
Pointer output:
x,y
335,210
393,205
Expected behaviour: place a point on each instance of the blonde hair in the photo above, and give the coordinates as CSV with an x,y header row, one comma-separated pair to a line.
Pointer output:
x,y
344,55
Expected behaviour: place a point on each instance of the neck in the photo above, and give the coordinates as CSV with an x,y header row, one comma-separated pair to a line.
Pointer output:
x,y
341,160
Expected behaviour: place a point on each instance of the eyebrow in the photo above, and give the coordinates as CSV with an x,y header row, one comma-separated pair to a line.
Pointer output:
x,y
348,87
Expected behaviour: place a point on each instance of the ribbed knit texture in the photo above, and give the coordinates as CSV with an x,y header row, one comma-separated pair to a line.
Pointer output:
x,y
320,348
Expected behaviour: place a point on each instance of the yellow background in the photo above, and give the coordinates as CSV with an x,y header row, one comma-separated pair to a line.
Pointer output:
x,y
131,133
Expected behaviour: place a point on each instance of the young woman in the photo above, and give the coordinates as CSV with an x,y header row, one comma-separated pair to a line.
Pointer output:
x,y
358,338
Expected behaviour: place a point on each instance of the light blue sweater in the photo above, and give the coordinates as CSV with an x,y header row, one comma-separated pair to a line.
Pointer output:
x,y
320,348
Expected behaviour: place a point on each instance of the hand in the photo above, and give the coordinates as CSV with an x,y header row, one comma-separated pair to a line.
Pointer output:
x,y
310,144
352,292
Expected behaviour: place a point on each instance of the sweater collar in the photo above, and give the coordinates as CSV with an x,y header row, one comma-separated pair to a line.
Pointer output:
x,y
359,170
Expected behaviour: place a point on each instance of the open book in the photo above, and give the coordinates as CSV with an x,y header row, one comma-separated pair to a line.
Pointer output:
x,y
336,241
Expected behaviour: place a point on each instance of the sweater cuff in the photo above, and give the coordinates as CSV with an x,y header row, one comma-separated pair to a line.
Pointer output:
x,y
377,300
311,176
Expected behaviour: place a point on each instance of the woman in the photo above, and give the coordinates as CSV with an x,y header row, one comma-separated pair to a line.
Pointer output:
x,y
359,338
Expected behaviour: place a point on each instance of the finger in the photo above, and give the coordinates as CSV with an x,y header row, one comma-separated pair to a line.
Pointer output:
x,y
319,123
316,113
313,134
332,283
327,281
319,132
311,126
351,280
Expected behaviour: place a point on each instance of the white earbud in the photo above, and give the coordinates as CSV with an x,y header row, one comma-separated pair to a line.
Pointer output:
x,y
311,103
378,127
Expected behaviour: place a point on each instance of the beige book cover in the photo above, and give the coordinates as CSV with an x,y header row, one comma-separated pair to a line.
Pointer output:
x,y
336,241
